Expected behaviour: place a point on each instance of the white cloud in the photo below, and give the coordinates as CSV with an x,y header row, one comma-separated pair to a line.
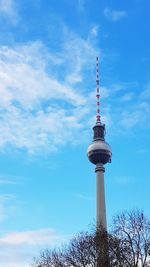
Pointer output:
x,y
80,56
6,181
15,264
126,104
114,15
46,100
23,246
8,9
146,92
36,102
6,6
42,237
28,83
94,30
10,179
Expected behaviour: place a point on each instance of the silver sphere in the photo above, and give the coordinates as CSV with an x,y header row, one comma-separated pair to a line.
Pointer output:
x,y
99,152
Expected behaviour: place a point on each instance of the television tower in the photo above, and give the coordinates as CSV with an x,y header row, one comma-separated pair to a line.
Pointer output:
x,y
99,153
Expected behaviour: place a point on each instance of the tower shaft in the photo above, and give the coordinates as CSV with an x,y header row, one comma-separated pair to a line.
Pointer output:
x,y
100,197
99,153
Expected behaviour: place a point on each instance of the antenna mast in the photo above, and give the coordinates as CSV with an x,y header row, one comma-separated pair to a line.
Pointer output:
x,y
98,117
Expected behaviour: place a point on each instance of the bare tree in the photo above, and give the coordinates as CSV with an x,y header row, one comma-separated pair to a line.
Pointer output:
x,y
50,258
130,242
127,245
79,252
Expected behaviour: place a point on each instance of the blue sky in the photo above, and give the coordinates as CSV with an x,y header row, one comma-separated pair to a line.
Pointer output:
x,y
47,110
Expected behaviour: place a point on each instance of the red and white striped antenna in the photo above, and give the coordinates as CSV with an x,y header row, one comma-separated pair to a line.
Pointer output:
x,y
98,117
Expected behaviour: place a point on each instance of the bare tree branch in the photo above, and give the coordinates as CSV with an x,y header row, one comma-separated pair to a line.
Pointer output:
x,y
127,245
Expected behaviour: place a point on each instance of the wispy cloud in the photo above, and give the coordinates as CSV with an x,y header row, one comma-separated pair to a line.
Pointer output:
x,y
114,15
36,102
133,115
129,119
128,97
94,30
82,197
23,246
10,180
37,237
9,10
146,92
123,180
128,104
6,205
46,100
81,5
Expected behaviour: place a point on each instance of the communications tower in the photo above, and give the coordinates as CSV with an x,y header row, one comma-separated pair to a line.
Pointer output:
x,y
99,153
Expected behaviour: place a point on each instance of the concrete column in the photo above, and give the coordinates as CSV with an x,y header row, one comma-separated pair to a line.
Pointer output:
x,y
100,197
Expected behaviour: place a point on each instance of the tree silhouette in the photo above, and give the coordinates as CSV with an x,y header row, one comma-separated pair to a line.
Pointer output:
x,y
127,245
